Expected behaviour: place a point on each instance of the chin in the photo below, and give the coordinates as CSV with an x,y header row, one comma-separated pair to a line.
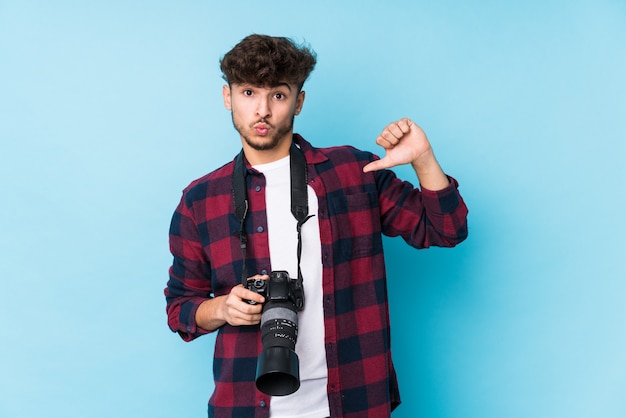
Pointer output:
x,y
262,144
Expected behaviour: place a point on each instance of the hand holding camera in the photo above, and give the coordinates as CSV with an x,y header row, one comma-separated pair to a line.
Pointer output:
x,y
243,306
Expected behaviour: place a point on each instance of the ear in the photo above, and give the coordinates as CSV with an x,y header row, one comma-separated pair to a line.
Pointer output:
x,y
300,101
226,94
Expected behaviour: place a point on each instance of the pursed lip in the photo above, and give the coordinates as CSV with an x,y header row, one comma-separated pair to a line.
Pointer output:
x,y
261,128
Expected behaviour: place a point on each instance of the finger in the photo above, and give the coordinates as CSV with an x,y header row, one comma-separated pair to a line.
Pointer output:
x,y
383,142
247,306
243,294
397,129
387,139
249,295
404,125
375,165
259,276
238,319
246,319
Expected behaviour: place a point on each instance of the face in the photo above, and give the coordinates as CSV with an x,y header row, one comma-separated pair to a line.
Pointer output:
x,y
264,116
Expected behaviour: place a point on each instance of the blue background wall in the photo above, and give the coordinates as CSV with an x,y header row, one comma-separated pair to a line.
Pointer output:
x,y
109,108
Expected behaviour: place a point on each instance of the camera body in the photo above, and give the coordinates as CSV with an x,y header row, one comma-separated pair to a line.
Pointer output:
x,y
278,288
278,365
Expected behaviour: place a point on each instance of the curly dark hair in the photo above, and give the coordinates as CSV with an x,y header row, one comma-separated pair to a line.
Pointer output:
x,y
267,61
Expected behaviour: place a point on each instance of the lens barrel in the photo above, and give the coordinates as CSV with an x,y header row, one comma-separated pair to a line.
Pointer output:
x,y
278,368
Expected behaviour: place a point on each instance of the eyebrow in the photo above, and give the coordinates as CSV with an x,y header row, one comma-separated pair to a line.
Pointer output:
x,y
283,84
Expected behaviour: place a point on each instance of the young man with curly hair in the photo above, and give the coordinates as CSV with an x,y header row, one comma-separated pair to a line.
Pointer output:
x,y
343,342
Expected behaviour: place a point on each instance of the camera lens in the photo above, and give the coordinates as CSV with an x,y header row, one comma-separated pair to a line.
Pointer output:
x,y
278,366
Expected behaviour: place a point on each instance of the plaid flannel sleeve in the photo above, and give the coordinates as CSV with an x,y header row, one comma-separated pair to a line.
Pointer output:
x,y
189,282
424,218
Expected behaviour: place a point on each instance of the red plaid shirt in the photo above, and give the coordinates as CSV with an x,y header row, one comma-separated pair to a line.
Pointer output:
x,y
355,209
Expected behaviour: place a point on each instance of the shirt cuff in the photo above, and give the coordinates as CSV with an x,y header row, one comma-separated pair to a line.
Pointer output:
x,y
188,329
445,200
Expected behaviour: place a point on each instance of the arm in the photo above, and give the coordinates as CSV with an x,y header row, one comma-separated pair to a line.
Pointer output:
x,y
192,310
434,216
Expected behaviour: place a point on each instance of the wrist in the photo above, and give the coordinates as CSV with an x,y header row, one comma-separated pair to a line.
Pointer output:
x,y
210,313
424,159
429,172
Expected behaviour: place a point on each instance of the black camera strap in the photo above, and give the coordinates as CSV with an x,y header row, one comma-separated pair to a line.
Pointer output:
x,y
299,205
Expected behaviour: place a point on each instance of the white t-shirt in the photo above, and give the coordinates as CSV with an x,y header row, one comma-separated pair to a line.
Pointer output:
x,y
311,399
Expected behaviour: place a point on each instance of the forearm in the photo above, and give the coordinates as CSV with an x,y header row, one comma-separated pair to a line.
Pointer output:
x,y
209,315
429,172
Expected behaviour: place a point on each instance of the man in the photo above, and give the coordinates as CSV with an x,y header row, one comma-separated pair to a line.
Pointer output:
x,y
343,343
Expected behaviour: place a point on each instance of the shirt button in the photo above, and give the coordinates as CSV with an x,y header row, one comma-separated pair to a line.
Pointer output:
x,y
259,229
257,188
262,404
264,272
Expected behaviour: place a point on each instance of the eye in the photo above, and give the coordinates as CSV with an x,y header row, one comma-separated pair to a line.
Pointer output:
x,y
247,92
279,96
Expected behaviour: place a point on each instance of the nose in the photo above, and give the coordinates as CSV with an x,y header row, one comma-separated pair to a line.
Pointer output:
x,y
263,108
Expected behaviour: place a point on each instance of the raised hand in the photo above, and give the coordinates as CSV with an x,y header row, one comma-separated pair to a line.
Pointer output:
x,y
406,143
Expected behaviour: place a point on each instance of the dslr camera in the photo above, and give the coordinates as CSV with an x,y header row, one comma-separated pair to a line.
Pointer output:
x,y
278,369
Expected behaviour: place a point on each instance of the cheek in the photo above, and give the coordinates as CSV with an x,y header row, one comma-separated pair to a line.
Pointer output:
x,y
238,110
290,111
